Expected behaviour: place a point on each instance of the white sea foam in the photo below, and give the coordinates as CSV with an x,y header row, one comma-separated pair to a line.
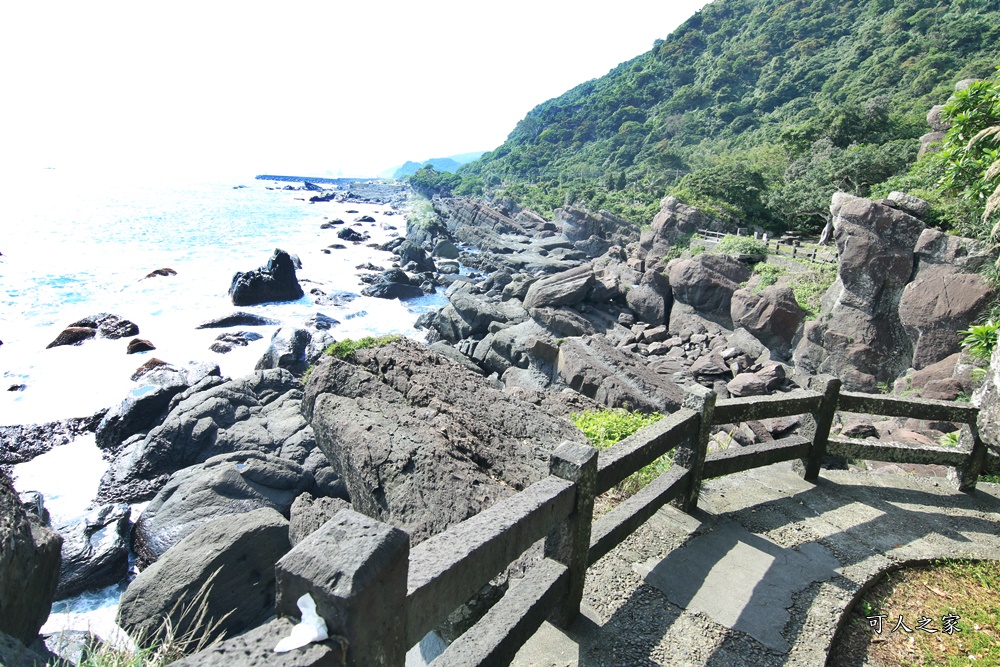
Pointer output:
x,y
74,246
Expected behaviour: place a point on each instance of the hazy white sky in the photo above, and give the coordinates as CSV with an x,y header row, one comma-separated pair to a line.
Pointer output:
x,y
296,87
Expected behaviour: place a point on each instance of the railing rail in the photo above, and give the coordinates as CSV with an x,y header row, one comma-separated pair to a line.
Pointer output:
x,y
357,567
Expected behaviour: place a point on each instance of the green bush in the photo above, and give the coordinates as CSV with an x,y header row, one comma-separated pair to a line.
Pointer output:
x,y
605,428
731,244
347,348
980,340
767,274
810,286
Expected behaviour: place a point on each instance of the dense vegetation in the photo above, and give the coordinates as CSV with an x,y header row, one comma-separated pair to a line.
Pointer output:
x,y
757,110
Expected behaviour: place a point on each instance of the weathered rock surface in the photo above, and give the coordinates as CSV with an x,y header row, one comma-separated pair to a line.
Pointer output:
x,y
13,653
223,485
94,551
947,293
258,413
295,349
102,325
675,219
652,298
859,336
707,282
308,513
29,567
73,336
772,315
228,341
562,289
238,319
274,282
597,369
232,558
420,441
23,442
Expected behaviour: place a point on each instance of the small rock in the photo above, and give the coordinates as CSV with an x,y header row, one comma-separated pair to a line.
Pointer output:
x,y
139,345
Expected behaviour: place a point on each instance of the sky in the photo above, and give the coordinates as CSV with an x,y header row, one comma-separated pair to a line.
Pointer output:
x,y
305,88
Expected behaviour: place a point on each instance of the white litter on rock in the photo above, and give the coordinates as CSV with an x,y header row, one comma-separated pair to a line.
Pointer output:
x,y
310,629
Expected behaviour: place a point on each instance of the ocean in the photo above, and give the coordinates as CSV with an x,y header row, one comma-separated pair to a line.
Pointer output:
x,y
77,244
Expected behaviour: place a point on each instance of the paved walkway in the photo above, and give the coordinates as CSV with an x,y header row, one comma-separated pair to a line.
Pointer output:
x,y
763,572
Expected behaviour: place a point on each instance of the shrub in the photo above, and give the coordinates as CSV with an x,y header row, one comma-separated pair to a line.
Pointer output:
x,y
605,428
767,274
731,244
347,348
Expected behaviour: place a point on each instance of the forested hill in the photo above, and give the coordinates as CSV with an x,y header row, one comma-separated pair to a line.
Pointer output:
x,y
759,109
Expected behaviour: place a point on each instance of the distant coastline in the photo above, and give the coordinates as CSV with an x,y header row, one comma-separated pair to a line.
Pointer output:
x,y
313,179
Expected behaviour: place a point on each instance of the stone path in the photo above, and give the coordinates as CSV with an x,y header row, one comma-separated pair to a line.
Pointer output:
x,y
762,573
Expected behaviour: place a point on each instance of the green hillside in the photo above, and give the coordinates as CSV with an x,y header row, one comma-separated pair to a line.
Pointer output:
x,y
755,109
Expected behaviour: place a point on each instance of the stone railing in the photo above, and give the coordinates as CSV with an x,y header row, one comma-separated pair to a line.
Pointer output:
x,y
380,597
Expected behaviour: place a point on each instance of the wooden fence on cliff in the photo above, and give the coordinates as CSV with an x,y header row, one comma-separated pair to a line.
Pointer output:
x,y
786,246
380,597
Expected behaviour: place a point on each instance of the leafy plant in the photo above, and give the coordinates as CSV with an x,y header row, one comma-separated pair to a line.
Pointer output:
x,y
731,244
809,287
605,428
767,274
979,340
346,349
949,439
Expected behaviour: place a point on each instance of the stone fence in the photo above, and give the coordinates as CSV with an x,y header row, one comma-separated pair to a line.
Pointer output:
x,y
380,597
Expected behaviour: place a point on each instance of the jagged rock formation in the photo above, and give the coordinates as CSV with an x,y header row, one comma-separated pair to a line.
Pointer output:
x,y
274,282
29,567
420,441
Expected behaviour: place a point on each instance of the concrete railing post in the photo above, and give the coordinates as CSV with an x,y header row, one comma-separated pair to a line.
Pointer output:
x,y
823,420
355,568
691,455
569,542
968,475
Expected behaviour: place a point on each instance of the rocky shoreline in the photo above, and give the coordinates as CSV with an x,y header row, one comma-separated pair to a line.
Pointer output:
x,y
557,317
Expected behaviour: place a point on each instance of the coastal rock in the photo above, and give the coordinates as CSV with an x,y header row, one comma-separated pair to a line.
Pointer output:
x,y
226,342
108,325
388,290
23,442
143,408
772,315
562,289
352,236
14,653
409,252
94,551
259,413
165,272
238,319
946,294
859,336
594,367
29,567
231,560
445,250
137,345
293,349
274,282
223,485
307,514
652,298
73,336
420,441
674,220
707,282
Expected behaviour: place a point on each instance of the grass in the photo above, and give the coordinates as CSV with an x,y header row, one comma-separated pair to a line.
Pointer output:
x,y
958,593
190,632
346,349
810,285
730,244
605,428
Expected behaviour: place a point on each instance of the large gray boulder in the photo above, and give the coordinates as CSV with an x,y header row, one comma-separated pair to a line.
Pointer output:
x,y
94,551
420,441
772,315
858,335
295,349
231,560
652,298
674,221
29,567
223,485
143,408
706,282
947,294
274,282
593,366
562,289
257,413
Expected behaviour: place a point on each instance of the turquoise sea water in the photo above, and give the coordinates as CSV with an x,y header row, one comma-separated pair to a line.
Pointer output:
x,y
77,244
